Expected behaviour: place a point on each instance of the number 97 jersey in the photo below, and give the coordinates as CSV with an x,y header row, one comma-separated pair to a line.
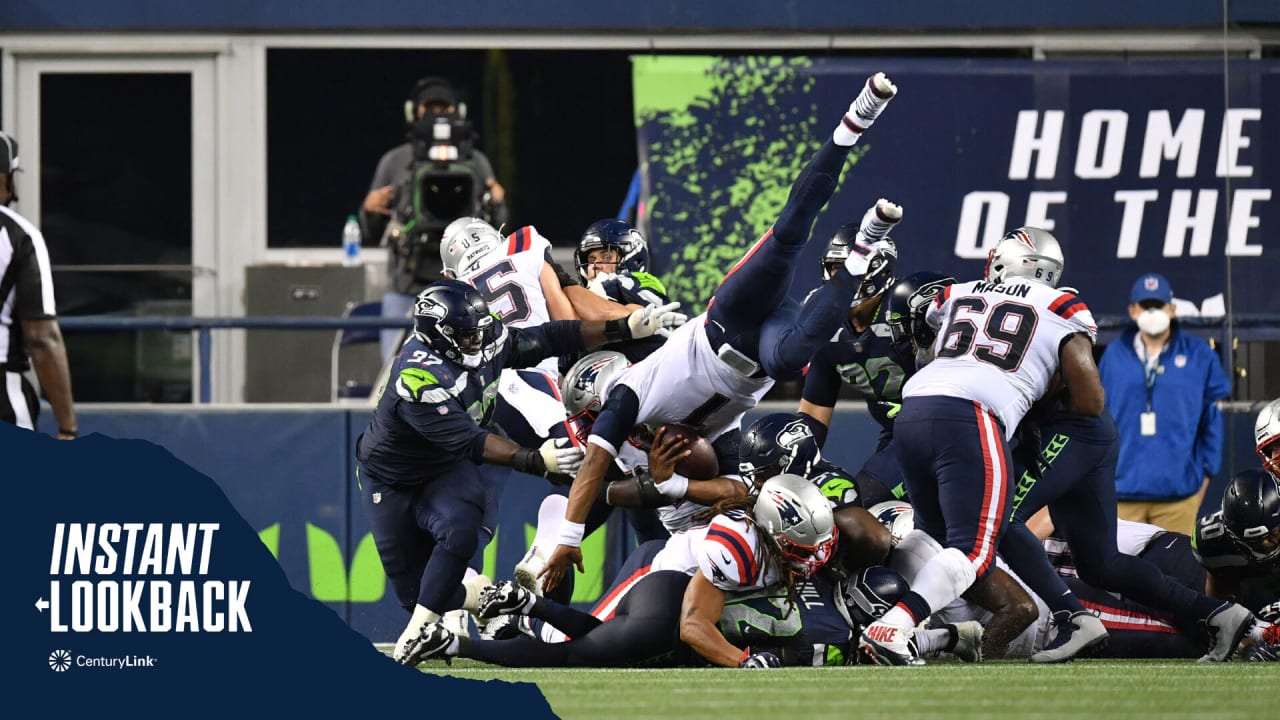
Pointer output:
x,y
998,344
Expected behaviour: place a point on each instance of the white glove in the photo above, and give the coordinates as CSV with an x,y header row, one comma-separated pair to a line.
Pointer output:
x,y
561,456
859,260
655,320
597,284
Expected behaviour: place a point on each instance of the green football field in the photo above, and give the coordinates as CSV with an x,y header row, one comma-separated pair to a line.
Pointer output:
x,y
1009,689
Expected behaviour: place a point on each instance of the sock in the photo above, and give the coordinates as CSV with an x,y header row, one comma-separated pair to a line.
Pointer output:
x,y
936,640
550,514
864,110
474,584
421,618
943,578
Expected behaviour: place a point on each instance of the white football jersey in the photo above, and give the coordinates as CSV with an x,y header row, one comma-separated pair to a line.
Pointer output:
x,y
685,381
677,516
726,552
998,344
510,280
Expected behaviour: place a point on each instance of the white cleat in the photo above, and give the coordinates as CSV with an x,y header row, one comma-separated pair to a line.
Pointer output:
x,y
889,644
968,641
864,110
526,572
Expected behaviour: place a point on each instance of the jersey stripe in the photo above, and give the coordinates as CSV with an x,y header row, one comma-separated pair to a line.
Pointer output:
x,y
738,547
942,296
1067,305
996,476
768,234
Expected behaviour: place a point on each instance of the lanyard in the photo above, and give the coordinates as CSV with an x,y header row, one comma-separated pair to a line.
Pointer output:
x,y
1152,368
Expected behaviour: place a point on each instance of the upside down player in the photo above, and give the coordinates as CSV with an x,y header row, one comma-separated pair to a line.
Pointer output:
x,y
750,335
751,543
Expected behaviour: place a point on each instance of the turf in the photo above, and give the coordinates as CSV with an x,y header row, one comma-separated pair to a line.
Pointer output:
x,y
1084,689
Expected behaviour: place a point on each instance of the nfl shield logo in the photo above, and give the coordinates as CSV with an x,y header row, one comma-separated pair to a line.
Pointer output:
x,y
1180,361
1151,283
442,410
377,498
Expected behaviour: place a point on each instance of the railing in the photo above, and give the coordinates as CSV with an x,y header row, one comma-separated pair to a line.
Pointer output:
x,y
1244,327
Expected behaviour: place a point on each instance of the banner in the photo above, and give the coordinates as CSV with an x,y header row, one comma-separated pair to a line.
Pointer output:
x,y
1136,167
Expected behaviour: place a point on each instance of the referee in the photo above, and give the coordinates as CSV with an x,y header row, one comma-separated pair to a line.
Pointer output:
x,y
29,333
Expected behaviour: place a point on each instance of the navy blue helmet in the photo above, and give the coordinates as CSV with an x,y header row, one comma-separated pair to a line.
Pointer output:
x,y
453,319
1251,512
632,249
872,592
909,301
838,249
776,444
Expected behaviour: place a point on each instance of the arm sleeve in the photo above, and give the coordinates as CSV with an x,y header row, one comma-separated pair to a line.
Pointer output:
x,y
530,346
617,417
822,382
1217,387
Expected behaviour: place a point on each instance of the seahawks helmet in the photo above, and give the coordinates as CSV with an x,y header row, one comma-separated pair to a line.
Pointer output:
x,y
465,242
872,592
1266,434
776,444
583,386
632,249
453,319
898,517
1251,512
797,518
1029,253
880,273
907,304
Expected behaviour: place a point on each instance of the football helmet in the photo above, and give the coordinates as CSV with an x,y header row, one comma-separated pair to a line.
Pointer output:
x,y
1266,434
465,241
907,304
1029,253
632,248
838,250
897,516
776,444
872,592
797,518
453,319
1251,512
582,388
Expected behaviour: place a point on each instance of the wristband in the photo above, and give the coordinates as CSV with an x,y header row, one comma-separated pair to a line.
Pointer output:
x,y
571,533
674,487
527,460
617,330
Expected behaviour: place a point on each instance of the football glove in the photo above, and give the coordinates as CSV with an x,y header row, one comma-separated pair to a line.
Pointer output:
x,y
1028,450
561,456
1270,613
759,660
655,320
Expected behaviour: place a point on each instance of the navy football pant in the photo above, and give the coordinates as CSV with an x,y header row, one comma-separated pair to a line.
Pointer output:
x,y
1078,485
645,630
1136,631
956,466
751,311
880,477
426,533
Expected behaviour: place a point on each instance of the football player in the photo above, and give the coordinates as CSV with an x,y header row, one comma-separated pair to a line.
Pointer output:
x,y
749,544
1000,341
727,359
418,458
1239,545
783,443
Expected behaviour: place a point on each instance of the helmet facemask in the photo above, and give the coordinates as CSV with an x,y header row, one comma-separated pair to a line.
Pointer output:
x,y
805,560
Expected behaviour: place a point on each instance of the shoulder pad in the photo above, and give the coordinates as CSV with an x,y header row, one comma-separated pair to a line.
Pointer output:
x,y
650,282
1212,546
419,385
728,556
838,487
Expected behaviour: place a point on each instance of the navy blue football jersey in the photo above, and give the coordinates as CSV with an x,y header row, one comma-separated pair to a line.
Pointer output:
x,y
433,413
1223,558
633,289
810,628
871,362
837,484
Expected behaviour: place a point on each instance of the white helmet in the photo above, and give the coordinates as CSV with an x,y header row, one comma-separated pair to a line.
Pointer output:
x,y
797,517
1266,434
897,516
465,241
1029,253
582,388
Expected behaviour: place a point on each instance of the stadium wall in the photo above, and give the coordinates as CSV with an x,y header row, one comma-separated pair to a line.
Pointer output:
x,y
289,471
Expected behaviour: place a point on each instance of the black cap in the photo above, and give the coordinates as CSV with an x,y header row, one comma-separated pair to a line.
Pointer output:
x,y
8,153
434,90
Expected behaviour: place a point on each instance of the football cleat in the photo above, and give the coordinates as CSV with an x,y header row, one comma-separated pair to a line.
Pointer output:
x,y
505,598
1077,633
432,642
503,627
864,110
526,572
457,622
967,645
1226,625
889,644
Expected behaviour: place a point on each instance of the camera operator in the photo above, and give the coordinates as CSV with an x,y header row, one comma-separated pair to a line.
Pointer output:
x,y
419,187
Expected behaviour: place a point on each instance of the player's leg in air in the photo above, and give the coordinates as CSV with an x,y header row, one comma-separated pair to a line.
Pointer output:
x,y
644,630
749,316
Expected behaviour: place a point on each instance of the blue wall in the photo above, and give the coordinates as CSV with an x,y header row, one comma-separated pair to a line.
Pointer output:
x,y
615,15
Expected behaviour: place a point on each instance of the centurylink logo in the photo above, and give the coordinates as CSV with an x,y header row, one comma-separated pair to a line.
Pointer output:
x,y
60,660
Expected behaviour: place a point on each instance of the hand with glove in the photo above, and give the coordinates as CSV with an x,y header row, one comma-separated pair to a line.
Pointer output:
x,y
645,322
601,283
1028,450
758,660
556,459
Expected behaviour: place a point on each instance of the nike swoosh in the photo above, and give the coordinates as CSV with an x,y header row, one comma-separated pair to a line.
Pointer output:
x,y
718,325
728,560
1171,542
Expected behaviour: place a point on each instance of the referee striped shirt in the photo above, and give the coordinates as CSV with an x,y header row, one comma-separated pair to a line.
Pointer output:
x,y
26,293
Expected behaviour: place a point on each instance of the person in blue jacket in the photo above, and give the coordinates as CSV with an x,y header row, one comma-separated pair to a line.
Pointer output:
x,y
1163,387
